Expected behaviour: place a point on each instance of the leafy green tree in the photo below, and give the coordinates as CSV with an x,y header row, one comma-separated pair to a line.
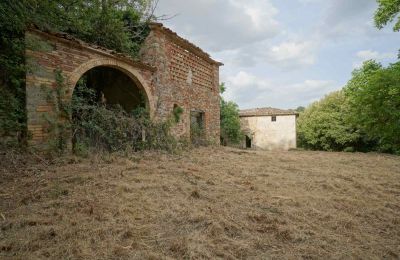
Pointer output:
x,y
388,11
324,126
230,121
373,94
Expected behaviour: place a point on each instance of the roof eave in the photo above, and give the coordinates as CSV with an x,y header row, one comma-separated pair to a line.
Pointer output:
x,y
184,43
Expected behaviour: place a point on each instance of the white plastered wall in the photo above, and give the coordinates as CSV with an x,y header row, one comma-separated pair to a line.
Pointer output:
x,y
268,135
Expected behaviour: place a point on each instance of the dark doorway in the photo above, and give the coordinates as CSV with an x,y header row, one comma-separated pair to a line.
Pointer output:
x,y
103,98
248,142
197,133
111,87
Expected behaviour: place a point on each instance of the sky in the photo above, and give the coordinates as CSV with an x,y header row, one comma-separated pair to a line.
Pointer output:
x,y
283,53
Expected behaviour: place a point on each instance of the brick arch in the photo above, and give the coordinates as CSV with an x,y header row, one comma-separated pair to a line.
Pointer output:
x,y
128,69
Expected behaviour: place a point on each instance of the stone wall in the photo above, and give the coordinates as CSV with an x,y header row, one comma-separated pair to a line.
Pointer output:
x,y
268,135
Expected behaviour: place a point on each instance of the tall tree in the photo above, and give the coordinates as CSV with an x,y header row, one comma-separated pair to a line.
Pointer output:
x,y
373,94
388,11
324,125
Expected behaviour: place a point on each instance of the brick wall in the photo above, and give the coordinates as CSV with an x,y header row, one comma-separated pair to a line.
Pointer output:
x,y
171,71
185,76
46,53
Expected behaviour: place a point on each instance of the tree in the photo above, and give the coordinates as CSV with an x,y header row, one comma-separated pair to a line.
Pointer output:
x,y
230,121
373,94
324,126
388,11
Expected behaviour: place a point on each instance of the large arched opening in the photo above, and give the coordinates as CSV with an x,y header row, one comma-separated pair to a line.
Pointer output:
x,y
111,87
136,75
107,103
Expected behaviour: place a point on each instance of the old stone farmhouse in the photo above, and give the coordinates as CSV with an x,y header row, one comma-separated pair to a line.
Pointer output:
x,y
171,72
269,128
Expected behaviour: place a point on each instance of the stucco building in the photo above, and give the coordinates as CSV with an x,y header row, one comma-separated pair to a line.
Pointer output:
x,y
269,128
171,72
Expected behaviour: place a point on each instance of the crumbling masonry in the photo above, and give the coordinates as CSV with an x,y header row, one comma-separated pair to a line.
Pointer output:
x,y
171,72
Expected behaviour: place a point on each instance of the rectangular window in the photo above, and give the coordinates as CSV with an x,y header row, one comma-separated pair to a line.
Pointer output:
x,y
273,119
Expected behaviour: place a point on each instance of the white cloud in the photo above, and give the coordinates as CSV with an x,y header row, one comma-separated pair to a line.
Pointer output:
x,y
250,91
219,25
292,54
345,19
294,46
374,55
311,1
288,55
365,55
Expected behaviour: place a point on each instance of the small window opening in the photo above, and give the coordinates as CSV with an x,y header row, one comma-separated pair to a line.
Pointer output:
x,y
177,112
273,119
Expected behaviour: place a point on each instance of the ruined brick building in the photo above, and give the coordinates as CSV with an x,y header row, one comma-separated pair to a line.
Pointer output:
x,y
172,72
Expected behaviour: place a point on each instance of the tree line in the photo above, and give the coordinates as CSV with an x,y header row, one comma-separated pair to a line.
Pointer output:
x,y
365,114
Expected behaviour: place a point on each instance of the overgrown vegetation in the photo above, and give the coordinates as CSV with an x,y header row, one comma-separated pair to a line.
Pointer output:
x,y
364,116
120,25
94,125
231,132
177,112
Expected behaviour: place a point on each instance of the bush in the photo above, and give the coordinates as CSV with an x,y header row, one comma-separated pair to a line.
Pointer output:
x,y
324,125
101,127
373,95
231,132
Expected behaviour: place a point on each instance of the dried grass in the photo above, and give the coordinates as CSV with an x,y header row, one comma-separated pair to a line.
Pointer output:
x,y
206,203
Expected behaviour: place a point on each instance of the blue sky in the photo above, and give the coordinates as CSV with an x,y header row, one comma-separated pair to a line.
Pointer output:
x,y
285,53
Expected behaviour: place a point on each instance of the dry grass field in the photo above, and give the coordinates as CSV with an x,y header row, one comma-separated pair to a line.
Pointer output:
x,y
203,204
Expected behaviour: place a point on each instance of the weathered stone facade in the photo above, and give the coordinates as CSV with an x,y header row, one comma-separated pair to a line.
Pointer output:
x,y
269,128
171,72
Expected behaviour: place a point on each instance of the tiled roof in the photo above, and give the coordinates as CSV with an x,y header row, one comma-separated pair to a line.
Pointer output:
x,y
184,43
266,111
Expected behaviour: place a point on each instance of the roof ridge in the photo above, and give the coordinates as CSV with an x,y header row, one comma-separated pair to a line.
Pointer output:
x,y
266,111
183,42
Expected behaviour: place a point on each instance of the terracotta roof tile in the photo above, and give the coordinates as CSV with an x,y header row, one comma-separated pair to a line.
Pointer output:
x,y
266,111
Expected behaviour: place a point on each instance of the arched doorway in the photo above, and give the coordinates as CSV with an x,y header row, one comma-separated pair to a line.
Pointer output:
x,y
110,87
135,74
107,105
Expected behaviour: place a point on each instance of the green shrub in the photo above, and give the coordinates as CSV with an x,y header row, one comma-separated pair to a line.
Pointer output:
x,y
324,125
231,132
102,127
